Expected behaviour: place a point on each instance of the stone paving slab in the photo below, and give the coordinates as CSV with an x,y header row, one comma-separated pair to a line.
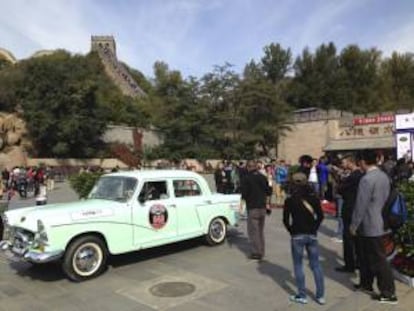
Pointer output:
x,y
233,281
142,292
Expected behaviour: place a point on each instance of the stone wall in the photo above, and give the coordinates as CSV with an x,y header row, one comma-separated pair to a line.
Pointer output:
x,y
107,163
124,135
306,138
314,129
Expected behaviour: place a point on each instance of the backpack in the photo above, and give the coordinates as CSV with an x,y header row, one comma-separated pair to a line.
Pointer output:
x,y
395,211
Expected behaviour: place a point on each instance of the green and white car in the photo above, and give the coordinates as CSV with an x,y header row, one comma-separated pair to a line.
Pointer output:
x,y
125,212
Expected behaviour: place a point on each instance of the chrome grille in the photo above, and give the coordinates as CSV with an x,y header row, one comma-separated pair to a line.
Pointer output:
x,y
22,238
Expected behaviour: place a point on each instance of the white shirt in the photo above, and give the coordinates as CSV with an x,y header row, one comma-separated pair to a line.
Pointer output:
x,y
313,176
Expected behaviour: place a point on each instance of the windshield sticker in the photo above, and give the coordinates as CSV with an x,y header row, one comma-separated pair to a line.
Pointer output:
x,y
158,216
92,213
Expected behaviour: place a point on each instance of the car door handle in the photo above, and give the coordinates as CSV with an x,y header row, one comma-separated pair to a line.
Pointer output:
x,y
172,205
208,202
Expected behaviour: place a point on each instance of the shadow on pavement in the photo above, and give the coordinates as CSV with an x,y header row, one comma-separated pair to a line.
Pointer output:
x,y
323,229
331,262
50,272
280,275
152,253
238,239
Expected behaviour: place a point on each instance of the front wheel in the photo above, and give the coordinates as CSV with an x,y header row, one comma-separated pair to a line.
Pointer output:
x,y
217,231
85,258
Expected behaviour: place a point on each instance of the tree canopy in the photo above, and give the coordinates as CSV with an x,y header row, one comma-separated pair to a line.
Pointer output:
x,y
68,100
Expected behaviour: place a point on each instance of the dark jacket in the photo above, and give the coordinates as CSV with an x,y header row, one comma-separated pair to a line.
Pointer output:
x,y
255,190
298,219
349,189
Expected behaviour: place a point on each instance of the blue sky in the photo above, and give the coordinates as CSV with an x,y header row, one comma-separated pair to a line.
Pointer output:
x,y
195,35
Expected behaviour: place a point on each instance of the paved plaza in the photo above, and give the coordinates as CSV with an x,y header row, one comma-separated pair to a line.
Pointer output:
x,y
203,278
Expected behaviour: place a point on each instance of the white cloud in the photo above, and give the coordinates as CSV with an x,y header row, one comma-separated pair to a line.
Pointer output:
x,y
31,25
401,40
190,35
323,23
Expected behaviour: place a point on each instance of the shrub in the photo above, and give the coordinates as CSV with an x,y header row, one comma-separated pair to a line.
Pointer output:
x,y
83,183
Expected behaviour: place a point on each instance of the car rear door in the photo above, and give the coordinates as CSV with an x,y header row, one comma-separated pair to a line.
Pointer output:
x,y
188,196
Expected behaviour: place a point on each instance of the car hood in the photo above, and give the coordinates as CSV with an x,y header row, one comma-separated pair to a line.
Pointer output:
x,y
62,213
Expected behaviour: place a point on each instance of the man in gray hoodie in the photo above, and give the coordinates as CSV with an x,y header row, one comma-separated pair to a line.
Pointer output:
x,y
368,224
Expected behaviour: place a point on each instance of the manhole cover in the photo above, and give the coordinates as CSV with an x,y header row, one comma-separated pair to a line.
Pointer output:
x,y
172,289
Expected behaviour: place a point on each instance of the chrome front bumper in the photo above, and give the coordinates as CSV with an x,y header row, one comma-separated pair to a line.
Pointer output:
x,y
15,254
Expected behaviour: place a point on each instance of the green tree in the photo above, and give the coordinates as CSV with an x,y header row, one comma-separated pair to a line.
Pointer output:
x,y
316,81
397,81
276,62
359,71
58,95
180,114
218,92
265,114
10,82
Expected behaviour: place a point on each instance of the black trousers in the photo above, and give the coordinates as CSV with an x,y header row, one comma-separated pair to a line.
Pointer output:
x,y
255,229
374,265
348,246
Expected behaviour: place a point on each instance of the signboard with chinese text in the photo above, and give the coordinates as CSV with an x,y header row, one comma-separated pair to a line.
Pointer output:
x,y
379,130
404,121
404,145
374,120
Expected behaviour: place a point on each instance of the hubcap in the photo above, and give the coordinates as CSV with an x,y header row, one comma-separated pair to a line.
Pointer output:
x,y
87,259
217,230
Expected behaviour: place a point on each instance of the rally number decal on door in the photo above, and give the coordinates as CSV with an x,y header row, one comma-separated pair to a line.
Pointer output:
x,y
158,216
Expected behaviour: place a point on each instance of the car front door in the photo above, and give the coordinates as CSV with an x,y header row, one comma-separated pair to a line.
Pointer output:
x,y
154,214
188,197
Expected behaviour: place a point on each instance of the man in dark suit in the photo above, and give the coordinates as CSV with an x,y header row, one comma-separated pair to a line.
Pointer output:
x,y
256,191
348,188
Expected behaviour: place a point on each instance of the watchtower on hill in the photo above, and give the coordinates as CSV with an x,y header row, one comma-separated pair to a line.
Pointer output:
x,y
103,42
106,48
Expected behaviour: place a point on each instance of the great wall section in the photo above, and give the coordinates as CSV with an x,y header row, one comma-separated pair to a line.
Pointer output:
x,y
105,46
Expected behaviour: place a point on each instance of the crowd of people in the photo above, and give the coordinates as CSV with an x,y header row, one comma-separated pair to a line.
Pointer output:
x,y
26,182
358,184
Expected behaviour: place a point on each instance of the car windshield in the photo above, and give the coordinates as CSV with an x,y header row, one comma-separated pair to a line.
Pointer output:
x,y
114,188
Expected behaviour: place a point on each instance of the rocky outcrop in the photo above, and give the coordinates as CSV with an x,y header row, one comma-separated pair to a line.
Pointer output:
x,y
13,141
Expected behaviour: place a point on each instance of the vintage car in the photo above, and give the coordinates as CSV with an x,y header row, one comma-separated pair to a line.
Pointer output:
x,y
125,212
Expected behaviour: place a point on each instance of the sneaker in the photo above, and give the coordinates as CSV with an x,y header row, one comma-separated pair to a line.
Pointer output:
x,y
321,301
298,299
388,300
336,240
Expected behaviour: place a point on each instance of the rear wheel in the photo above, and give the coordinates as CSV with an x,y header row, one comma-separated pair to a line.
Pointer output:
x,y
85,258
217,231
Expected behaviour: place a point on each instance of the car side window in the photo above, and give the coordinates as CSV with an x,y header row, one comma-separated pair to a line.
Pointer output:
x,y
154,190
186,188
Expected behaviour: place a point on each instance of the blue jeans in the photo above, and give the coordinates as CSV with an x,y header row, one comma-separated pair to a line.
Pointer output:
x,y
310,242
339,207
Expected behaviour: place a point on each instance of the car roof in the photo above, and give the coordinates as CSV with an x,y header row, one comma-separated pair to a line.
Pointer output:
x,y
149,174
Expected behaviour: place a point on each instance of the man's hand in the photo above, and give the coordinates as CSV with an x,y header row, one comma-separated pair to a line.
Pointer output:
x,y
241,206
352,231
268,209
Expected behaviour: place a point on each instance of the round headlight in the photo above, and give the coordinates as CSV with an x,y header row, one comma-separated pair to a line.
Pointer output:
x,y
41,231
40,226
